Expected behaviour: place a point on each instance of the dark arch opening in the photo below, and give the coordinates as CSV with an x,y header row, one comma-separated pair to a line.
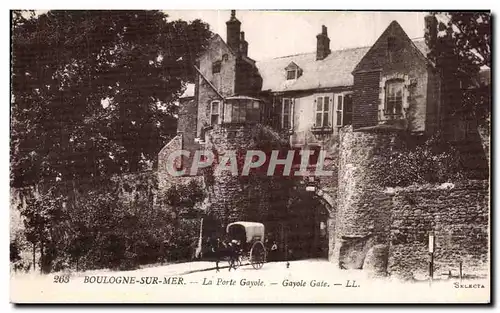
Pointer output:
x,y
308,230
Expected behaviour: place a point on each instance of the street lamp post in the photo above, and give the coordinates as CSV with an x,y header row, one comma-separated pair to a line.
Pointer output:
x,y
431,255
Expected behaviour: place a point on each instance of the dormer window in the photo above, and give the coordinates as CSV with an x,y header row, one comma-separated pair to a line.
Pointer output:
x,y
293,71
291,74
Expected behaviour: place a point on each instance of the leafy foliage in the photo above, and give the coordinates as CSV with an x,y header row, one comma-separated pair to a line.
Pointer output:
x,y
433,161
460,44
97,226
93,91
184,195
467,34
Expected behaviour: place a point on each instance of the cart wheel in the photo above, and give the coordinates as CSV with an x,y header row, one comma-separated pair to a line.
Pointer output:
x,y
258,255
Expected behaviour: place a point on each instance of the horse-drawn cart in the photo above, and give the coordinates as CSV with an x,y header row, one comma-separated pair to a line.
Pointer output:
x,y
250,235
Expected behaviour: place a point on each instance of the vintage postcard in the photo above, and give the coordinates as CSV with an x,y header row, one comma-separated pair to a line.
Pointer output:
x,y
233,156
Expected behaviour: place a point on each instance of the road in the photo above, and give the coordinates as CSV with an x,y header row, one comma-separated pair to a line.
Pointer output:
x,y
304,281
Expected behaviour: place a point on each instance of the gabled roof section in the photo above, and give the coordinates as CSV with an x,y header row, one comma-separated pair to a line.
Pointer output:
x,y
337,68
291,66
376,57
333,71
219,38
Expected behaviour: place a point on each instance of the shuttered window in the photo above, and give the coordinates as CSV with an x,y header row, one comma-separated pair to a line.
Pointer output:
x,y
340,110
286,113
323,111
347,119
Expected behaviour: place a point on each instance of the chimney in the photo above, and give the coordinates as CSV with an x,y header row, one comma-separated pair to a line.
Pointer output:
x,y
243,44
233,32
323,44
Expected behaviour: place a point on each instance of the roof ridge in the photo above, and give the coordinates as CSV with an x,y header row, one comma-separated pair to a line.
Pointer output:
x,y
313,52
287,56
336,50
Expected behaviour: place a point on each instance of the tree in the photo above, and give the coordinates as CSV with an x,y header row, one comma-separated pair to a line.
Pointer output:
x,y
93,92
42,214
460,45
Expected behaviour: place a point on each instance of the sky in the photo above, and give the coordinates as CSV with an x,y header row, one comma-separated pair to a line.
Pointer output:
x,y
273,34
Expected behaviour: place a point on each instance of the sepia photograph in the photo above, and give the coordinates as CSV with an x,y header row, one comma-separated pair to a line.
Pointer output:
x,y
250,156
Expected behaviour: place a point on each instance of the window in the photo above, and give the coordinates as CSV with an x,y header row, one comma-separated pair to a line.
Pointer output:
x,y
286,113
394,97
242,111
216,67
293,71
225,57
323,111
340,109
215,112
239,112
347,119
253,111
291,74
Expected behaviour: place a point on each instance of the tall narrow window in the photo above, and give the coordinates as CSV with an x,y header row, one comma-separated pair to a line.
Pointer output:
x,y
394,98
323,112
286,114
215,112
340,110
347,120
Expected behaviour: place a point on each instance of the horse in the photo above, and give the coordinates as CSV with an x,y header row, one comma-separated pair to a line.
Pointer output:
x,y
225,249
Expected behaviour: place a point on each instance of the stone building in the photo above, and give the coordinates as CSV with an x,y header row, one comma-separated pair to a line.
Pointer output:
x,y
306,101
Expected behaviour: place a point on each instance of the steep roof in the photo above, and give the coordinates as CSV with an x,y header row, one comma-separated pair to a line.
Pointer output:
x,y
376,56
333,71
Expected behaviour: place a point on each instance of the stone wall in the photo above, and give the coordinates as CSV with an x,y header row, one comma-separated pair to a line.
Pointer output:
x,y
327,193
223,81
186,125
458,215
485,132
374,220
363,211
256,197
164,178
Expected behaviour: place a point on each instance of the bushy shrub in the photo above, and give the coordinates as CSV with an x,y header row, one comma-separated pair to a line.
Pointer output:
x,y
14,251
95,227
182,242
433,161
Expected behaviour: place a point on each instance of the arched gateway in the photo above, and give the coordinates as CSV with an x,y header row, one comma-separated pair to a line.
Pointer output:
x,y
310,229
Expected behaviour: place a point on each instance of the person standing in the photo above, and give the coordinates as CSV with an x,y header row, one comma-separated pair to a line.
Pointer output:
x,y
274,251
